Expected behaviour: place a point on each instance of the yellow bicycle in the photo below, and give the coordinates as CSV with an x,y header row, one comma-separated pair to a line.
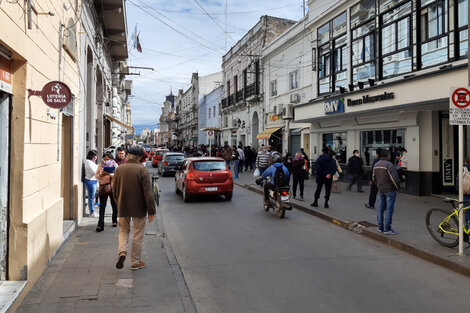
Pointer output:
x,y
443,224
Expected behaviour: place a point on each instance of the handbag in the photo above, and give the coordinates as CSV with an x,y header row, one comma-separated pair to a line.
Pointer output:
x,y
105,189
466,181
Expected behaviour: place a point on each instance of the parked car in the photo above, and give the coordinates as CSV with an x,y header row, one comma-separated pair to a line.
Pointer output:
x,y
158,156
146,148
170,162
204,176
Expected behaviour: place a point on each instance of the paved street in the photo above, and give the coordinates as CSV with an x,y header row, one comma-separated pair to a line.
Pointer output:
x,y
237,258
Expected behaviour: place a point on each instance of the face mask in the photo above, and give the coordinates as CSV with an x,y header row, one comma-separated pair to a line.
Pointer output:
x,y
356,154
107,163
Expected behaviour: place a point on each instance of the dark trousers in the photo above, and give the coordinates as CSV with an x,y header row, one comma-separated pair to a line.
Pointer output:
x,y
373,194
320,182
240,166
356,178
267,187
298,179
103,201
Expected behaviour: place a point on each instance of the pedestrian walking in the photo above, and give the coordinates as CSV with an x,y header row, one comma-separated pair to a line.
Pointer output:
x,y
236,161
339,170
355,171
227,156
133,192
241,161
367,156
263,160
373,186
104,174
385,176
89,180
121,156
325,169
287,162
298,175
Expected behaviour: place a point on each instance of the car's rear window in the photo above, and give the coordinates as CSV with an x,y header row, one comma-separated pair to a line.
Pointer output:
x,y
175,157
161,152
207,166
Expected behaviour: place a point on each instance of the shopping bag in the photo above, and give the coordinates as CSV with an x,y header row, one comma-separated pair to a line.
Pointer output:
x,y
256,173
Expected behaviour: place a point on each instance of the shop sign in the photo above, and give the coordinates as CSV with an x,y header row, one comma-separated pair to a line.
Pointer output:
x,y
55,94
275,117
371,99
334,106
459,106
5,74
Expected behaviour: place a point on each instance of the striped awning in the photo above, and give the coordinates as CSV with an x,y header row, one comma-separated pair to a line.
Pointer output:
x,y
118,121
267,133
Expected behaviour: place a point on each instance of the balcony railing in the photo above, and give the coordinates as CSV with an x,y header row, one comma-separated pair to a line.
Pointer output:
x,y
231,100
251,90
240,94
224,103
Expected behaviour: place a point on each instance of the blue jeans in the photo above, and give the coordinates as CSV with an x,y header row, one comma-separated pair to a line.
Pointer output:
x,y
235,168
228,164
91,189
261,170
386,203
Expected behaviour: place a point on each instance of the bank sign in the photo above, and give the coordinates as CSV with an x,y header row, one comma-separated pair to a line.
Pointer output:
x,y
334,106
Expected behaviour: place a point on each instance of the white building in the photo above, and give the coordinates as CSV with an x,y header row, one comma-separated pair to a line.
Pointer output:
x,y
209,116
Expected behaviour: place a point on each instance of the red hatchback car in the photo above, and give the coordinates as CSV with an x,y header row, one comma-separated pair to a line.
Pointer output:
x,y
158,156
204,176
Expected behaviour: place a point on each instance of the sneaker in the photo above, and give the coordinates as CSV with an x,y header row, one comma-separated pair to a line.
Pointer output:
x,y
301,198
369,206
138,265
94,214
120,260
390,232
380,230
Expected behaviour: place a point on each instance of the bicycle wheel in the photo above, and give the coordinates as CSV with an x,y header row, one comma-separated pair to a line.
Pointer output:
x,y
436,217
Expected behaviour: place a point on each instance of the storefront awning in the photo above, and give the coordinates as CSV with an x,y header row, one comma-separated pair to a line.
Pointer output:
x,y
211,128
118,121
266,134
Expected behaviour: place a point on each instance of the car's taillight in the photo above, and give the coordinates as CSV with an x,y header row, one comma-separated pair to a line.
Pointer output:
x,y
189,176
230,175
284,193
165,163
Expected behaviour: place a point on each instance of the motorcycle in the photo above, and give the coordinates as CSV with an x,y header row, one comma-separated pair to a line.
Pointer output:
x,y
279,199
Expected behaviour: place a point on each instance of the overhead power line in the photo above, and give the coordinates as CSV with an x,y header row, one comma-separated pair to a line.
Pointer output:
x,y
202,8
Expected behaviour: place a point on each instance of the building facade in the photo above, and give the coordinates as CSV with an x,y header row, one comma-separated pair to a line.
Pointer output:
x,y
383,71
242,104
186,107
209,116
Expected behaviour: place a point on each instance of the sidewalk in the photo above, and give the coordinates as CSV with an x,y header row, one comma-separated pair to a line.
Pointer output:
x,y
83,277
347,210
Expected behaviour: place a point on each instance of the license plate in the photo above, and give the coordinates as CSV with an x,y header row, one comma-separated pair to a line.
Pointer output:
x,y
284,198
211,188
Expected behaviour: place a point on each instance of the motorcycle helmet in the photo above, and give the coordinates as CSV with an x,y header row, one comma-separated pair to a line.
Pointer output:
x,y
276,157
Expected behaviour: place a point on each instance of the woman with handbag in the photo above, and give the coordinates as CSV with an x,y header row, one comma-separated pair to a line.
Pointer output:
x,y
298,174
334,184
104,174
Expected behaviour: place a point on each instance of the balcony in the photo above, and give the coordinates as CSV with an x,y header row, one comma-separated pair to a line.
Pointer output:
x,y
240,95
224,103
231,100
252,90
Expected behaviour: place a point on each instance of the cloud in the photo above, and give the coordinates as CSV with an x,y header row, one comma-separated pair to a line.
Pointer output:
x,y
195,44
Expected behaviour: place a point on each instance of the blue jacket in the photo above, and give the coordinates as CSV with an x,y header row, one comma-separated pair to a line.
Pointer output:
x,y
271,171
325,165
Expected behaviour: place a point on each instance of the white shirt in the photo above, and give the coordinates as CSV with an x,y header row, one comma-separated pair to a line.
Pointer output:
x,y
90,169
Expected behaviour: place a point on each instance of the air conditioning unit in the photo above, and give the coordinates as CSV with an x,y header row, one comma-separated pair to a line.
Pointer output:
x,y
288,111
294,98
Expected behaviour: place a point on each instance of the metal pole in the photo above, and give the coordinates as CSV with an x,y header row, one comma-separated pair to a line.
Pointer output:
x,y
462,213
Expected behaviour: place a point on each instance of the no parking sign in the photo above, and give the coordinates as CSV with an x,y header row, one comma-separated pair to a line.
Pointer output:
x,y
459,106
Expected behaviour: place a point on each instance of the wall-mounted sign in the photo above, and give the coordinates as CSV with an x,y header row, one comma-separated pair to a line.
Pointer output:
x,y
55,94
371,99
334,106
5,74
275,117
459,106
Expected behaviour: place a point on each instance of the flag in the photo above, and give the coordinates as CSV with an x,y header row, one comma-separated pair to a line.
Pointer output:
x,y
138,46
134,38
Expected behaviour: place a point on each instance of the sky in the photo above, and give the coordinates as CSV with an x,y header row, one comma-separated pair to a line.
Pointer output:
x,y
181,37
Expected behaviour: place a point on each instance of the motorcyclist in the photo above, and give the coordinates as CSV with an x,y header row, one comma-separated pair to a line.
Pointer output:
x,y
271,172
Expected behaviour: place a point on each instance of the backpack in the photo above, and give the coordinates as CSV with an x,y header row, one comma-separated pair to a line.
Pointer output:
x,y
280,179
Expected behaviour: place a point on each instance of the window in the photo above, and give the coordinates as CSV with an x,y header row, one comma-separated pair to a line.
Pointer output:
x,y
337,142
274,88
396,40
462,23
228,88
434,32
214,110
383,139
294,80
209,112
363,41
235,84
332,55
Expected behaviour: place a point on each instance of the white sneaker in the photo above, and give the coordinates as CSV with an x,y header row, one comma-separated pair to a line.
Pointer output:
x,y
94,214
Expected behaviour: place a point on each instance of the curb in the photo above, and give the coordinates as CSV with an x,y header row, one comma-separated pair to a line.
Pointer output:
x,y
387,240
